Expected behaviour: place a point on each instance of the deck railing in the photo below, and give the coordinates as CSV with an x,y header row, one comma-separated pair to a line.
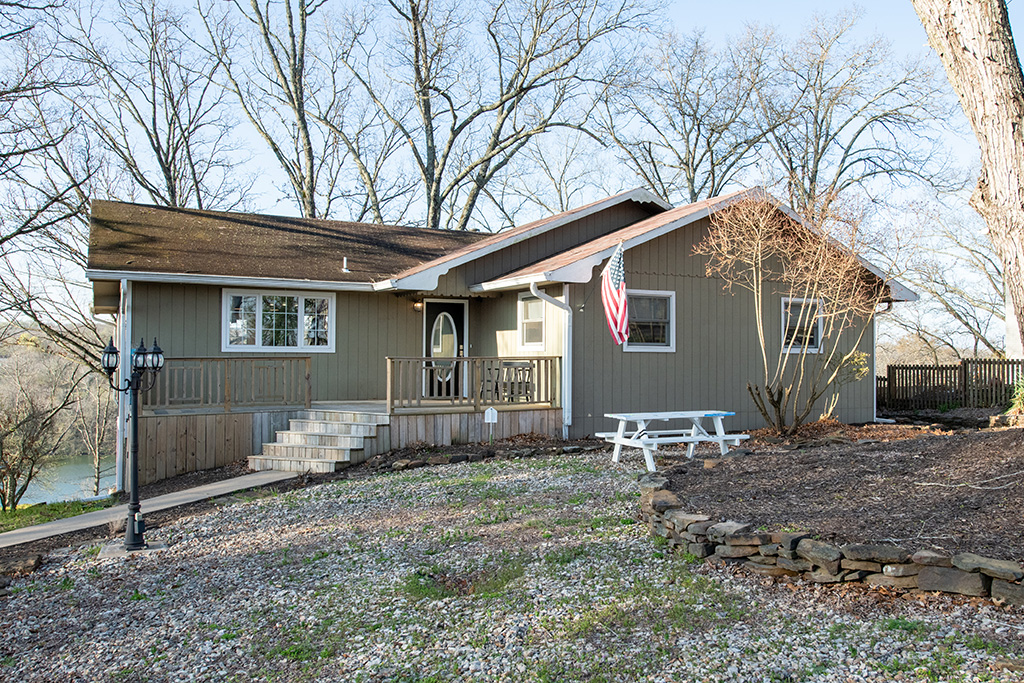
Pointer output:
x,y
472,383
232,383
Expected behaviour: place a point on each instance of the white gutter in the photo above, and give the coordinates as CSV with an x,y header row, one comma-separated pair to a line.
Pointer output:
x,y
512,283
566,351
262,282
124,343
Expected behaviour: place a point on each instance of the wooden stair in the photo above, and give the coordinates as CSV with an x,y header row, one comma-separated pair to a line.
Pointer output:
x,y
319,441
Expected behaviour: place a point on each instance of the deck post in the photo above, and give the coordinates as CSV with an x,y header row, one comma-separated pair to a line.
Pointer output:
x,y
390,365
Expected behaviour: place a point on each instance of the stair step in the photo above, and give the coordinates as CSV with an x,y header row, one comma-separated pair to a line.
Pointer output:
x,y
339,453
344,416
288,464
297,438
333,427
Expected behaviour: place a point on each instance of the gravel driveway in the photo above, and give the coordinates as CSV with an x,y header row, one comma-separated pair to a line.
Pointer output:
x,y
524,570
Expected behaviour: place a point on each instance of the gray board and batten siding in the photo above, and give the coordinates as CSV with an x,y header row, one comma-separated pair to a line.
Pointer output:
x,y
530,250
716,351
187,320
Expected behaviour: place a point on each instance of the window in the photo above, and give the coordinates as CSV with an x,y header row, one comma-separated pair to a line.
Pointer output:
x,y
278,321
531,321
801,325
651,320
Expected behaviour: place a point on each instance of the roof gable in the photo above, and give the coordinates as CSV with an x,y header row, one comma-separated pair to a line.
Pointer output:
x,y
424,277
577,265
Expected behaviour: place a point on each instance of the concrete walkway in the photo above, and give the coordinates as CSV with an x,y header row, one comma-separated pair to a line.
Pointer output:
x,y
118,513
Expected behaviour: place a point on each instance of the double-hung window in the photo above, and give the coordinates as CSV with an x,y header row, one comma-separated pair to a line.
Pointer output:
x,y
278,321
531,322
801,325
651,320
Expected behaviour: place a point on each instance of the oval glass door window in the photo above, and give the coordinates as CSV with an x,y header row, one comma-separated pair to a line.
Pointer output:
x,y
444,340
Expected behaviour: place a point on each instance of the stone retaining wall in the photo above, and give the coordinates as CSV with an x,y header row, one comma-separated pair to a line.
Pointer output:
x,y
798,555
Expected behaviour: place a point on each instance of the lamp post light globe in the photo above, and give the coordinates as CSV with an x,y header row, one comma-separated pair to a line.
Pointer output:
x,y
109,358
145,363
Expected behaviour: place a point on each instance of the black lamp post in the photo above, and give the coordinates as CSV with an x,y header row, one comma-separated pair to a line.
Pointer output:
x,y
145,363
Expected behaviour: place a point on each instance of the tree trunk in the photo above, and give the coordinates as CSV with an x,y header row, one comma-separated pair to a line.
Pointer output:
x,y
973,40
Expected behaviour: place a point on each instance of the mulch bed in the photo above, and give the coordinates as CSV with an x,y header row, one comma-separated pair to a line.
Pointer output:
x,y
959,491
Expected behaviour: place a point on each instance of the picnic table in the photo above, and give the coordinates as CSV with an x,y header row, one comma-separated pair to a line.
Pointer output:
x,y
649,440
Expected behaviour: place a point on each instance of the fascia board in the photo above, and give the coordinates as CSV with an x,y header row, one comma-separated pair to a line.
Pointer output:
x,y
426,280
200,279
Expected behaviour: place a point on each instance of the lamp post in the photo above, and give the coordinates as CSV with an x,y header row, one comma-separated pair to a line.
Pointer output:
x,y
144,363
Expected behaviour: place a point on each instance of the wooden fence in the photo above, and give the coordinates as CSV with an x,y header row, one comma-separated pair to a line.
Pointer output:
x,y
973,383
255,381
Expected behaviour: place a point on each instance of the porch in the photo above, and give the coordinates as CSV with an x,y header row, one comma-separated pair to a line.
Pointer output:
x,y
208,412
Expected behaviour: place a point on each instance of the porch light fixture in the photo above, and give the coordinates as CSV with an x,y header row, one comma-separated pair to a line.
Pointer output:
x,y
417,306
145,364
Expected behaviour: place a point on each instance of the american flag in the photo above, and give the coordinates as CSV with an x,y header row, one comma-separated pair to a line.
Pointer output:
x,y
613,296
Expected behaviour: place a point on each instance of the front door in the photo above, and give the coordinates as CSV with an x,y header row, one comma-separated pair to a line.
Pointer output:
x,y
444,328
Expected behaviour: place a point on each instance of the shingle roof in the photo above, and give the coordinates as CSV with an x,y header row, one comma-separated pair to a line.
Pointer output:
x,y
153,239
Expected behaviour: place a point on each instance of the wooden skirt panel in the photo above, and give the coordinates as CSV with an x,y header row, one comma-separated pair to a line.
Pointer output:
x,y
443,429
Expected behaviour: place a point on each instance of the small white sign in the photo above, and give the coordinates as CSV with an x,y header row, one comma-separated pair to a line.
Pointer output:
x,y
491,416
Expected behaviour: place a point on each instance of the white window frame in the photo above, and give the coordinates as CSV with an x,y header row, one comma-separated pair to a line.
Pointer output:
x,y
796,348
520,319
225,319
670,347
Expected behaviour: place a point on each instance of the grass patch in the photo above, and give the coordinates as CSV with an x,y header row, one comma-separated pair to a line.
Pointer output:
x,y
913,626
437,582
30,515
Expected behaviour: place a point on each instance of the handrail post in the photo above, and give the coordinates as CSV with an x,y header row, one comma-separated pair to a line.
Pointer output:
x,y
391,383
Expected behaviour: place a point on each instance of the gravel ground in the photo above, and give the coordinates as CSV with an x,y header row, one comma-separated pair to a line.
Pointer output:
x,y
524,570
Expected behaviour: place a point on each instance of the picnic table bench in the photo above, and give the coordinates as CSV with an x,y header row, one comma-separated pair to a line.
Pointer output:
x,y
649,440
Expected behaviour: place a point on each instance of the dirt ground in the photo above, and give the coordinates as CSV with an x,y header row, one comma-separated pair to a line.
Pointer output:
x,y
919,487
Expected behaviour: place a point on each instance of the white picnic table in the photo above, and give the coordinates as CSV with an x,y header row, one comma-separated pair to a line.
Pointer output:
x,y
649,440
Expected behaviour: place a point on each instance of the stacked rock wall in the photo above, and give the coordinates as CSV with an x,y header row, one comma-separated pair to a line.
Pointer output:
x,y
782,553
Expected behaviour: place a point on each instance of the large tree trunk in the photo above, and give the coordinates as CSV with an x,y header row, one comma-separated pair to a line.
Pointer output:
x,y
973,40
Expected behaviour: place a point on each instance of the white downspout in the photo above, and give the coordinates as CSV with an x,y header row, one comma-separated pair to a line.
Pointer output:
x,y
124,343
874,367
566,351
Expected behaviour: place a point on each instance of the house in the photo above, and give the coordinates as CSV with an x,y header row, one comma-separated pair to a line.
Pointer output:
x,y
312,343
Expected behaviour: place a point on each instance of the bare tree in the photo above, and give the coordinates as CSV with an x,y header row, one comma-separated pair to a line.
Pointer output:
x,y
960,280
150,100
33,402
94,417
974,42
755,246
856,114
266,52
553,173
693,125
484,79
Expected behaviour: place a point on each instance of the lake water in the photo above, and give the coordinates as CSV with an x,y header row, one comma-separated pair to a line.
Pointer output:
x,y
68,480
